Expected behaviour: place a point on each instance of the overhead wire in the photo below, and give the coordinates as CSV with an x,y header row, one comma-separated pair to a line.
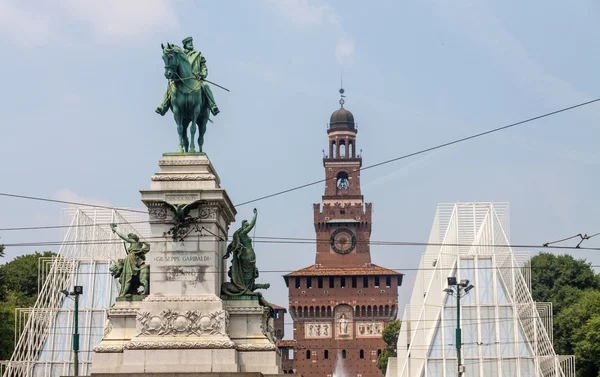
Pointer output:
x,y
426,150
295,240
439,146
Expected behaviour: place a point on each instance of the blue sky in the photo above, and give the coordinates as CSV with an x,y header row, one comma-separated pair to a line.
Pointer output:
x,y
81,80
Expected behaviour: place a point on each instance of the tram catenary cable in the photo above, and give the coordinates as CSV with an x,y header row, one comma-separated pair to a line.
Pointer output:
x,y
426,150
290,240
439,146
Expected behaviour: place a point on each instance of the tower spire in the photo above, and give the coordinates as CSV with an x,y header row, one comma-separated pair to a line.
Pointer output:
x,y
342,96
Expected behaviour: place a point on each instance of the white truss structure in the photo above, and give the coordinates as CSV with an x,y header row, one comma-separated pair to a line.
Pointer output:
x,y
504,332
43,343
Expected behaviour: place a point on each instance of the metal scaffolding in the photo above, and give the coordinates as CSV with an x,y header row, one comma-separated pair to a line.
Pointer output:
x,y
504,332
43,333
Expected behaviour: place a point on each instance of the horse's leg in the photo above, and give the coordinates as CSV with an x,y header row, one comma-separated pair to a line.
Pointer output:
x,y
202,121
179,121
193,129
186,141
192,135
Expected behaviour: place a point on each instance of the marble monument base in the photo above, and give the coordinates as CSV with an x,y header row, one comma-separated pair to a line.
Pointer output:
x,y
184,326
251,329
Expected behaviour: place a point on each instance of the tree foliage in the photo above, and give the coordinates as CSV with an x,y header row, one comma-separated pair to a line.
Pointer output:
x,y
552,273
573,287
18,289
390,337
1,250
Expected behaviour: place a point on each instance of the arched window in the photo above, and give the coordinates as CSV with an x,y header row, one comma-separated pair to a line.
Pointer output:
x,y
333,150
369,311
363,311
307,354
387,310
342,148
362,354
342,181
351,149
343,354
312,312
306,311
326,354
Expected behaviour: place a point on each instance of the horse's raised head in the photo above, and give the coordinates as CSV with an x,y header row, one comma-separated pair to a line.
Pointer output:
x,y
173,56
170,61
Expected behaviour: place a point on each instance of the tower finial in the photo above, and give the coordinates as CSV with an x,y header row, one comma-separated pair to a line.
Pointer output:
x,y
342,96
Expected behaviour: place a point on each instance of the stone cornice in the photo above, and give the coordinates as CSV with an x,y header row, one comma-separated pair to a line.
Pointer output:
x,y
211,344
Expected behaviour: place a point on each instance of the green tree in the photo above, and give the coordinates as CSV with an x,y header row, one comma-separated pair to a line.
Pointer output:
x,y
21,274
1,250
571,320
550,274
18,289
390,337
587,348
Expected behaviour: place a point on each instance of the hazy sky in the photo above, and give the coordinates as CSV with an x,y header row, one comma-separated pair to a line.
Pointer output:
x,y
81,80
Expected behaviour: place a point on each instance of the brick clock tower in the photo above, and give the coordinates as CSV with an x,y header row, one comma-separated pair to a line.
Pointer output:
x,y
341,304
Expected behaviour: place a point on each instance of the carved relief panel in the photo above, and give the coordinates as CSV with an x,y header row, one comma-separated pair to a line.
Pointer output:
x,y
317,330
190,322
369,329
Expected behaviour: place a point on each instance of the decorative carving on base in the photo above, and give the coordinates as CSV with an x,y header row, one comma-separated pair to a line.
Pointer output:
x,y
108,349
122,312
184,177
267,326
256,347
107,328
183,162
180,345
152,298
190,322
208,213
248,309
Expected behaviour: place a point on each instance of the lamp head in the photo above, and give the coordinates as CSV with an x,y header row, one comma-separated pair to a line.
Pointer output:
x,y
469,288
78,290
449,291
464,283
451,281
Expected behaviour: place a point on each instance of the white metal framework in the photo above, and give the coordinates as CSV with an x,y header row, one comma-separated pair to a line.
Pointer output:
x,y
43,342
504,332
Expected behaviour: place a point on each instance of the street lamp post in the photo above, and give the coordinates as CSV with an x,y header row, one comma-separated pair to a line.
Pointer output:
x,y
461,289
77,290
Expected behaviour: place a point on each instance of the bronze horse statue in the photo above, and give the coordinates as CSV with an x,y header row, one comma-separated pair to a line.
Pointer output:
x,y
187,101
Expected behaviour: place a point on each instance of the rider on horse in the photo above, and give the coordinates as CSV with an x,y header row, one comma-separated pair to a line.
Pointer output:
x,y
199,70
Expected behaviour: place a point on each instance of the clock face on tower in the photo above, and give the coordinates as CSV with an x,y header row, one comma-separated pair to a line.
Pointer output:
x,y
343,241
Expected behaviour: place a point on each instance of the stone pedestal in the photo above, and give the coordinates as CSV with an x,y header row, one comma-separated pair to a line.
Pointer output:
x,y
252,329
183,325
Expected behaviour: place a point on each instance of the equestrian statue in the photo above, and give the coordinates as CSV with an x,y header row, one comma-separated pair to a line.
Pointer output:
x,y
188,95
